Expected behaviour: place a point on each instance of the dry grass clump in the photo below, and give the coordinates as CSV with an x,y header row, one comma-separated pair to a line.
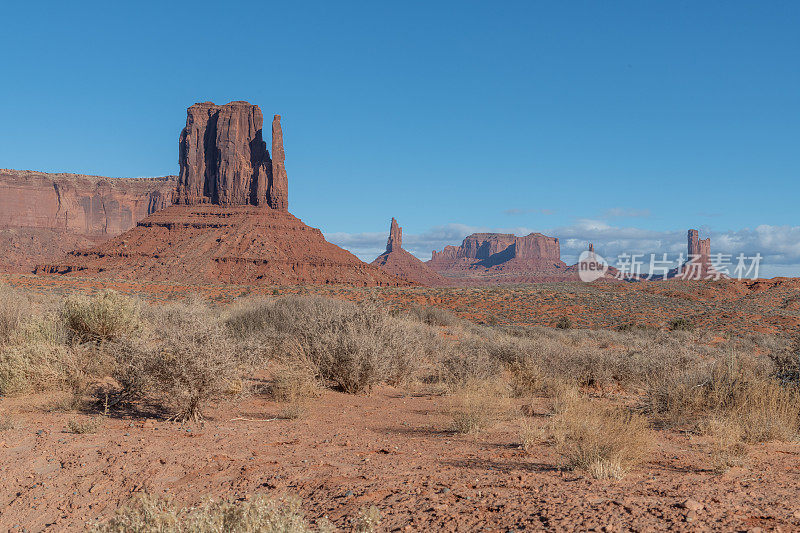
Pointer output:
x,y
152,515
294,386
368,519
14,307
6,422
531,434
353,346
727,444
80,427
107,315
188,361
34,367
740,389
478,404
604,441
433,316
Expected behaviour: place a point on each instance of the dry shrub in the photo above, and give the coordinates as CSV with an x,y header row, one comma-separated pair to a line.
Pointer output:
x,y
433,316
604,441
476,405
294,385
81,427
107,315
741,389
727,446
368,519
531,434
14,307
188,361
468,360
353,346
6,422
527,379
34,367
152,515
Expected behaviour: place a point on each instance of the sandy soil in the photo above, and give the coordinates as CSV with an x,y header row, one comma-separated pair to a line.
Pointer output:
x,y
392,449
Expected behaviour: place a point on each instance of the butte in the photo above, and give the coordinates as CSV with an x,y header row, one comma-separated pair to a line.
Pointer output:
x,y
229,221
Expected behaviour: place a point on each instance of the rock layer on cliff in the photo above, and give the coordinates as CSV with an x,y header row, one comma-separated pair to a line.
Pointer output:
x,y
207,243
224,159
43,216
402,264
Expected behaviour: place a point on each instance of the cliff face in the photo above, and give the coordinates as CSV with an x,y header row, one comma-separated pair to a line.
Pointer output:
x,y
83,205
43,216
224,159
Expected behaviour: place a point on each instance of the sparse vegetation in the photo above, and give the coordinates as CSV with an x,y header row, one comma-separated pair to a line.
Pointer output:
x,y
476,405
81,426
741,390
604,441
368,519
152,515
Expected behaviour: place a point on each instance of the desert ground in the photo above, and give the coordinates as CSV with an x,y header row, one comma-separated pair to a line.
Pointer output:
x,y
557,407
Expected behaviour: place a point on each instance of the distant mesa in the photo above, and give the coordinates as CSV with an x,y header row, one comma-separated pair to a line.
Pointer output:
x,y
230,221
402,264
502,258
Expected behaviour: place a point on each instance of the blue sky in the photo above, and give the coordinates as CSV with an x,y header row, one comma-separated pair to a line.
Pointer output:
x,y
622,122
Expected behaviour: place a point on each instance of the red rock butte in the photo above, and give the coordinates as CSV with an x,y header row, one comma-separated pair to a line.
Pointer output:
x,y
402,264
502,258
230,222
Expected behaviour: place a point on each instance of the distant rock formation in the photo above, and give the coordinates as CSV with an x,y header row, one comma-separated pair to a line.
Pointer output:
x,y
224,159
698,265
43,216
401,264
496,249
502,258
230,223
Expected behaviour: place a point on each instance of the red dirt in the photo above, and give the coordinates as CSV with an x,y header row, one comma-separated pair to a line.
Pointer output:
x,y
391,449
